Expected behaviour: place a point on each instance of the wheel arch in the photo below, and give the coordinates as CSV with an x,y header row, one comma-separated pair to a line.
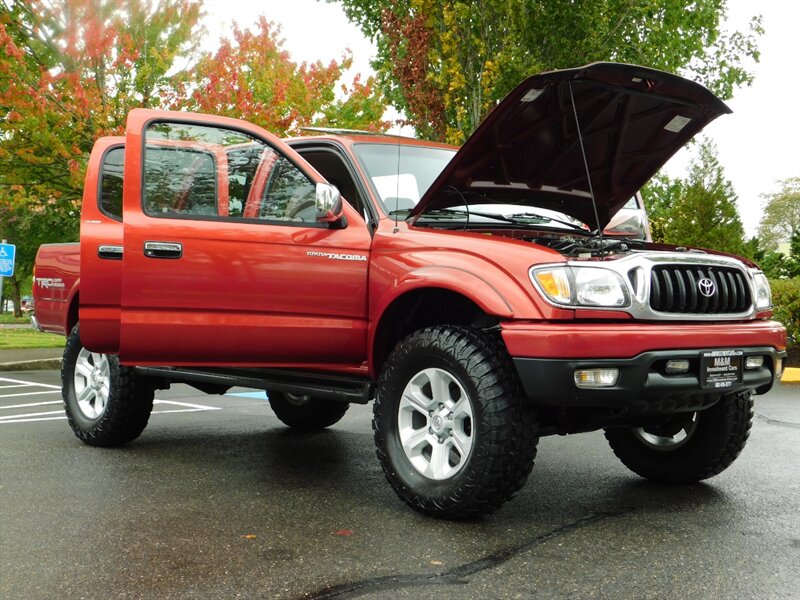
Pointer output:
x,y
71,316
421,307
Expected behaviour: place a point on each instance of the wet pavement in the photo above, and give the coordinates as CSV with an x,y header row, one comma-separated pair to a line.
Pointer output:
x,y
218,500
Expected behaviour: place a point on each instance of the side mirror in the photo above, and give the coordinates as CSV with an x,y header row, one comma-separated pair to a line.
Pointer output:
x,y
329,204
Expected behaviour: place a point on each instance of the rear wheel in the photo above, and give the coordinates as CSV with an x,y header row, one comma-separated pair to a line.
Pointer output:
x,y
687,447
453,435
306,412
106,404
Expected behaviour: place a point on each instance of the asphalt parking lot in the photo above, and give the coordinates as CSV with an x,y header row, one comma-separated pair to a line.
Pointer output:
x,y
218,500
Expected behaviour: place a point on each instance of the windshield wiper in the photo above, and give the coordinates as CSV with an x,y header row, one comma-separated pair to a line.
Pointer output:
x,y
399,212
527,218
521,217
449,212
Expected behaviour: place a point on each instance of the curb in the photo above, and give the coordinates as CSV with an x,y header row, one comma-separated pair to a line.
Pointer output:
x,y
791,375
42,364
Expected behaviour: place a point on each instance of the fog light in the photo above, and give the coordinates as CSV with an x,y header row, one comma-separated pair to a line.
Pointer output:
x,y
677,366
594,378
778,367
753,362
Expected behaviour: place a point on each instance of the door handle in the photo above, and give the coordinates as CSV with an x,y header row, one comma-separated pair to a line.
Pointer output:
x,y
109,252
163,250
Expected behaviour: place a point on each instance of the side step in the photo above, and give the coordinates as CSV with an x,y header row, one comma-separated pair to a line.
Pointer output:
x,y
333,387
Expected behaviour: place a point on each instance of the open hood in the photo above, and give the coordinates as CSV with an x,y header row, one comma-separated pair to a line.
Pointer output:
x,y
527,152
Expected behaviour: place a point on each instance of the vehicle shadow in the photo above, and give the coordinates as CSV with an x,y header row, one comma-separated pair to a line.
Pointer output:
x,y
343,463
277,456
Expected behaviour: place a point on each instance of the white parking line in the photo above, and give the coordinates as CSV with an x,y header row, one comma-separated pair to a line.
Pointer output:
x,y
30,404
62,417
46,415
39,414
31,393
44,385
192,406
53,415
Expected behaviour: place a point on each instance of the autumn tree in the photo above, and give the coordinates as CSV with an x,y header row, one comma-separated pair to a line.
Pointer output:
x,y
781,218
70,70
252,77
446,64
699,210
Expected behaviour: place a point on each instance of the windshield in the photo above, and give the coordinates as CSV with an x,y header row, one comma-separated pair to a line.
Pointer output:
x,y
401,174
400,185
629,222
487,214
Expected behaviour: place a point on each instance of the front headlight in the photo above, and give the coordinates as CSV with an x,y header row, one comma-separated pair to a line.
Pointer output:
x,y
763,299
581,286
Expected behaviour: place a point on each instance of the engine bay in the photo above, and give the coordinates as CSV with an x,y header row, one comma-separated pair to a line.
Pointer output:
x,y
585,247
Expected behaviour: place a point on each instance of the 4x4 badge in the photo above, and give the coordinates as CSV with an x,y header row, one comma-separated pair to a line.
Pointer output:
x,y
707,287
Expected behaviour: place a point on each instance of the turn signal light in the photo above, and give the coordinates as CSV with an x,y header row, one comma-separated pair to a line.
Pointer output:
x,y
596,378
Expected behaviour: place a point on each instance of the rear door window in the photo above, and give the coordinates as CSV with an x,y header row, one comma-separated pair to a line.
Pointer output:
x,y
111,183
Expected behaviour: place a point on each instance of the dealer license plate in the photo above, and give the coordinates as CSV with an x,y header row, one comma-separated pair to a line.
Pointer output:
x,y
720,369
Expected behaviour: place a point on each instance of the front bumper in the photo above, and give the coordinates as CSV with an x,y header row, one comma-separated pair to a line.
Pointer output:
x,y
643,386
546,356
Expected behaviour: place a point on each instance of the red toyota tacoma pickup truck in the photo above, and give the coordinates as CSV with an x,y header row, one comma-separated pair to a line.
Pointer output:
x,y
472,295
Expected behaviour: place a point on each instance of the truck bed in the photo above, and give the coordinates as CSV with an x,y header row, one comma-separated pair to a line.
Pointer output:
x,y
55,282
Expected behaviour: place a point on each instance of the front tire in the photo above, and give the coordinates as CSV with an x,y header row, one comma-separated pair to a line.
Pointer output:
x,y
689,447
306,412
106,404
454,437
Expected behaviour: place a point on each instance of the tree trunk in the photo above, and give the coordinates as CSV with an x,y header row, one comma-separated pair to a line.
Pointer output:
x,y
15,295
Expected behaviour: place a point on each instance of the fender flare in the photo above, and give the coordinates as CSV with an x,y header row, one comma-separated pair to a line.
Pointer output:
x,y
72,300
455,279
472,286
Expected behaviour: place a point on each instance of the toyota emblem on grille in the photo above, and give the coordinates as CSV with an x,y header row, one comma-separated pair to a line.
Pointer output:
x,y
706,287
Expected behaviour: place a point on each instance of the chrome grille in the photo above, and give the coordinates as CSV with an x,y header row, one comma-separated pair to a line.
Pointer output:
x,y
680,289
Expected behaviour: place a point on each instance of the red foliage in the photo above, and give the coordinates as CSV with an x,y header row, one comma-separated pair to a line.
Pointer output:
x,y
252,77
409,43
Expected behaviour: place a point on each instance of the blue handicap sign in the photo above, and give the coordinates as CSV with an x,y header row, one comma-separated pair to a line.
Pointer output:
x,y
7,254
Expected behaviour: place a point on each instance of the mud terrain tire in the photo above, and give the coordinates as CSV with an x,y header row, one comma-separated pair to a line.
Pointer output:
x,y
305,412
106,404
453,433
716,438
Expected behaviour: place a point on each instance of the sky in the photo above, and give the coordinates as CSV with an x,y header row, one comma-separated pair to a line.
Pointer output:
x,y
758,145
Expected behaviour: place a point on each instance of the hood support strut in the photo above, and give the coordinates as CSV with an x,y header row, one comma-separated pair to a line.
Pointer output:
x,y
588,174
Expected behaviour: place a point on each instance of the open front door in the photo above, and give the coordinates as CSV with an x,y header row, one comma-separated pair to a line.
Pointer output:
x,y
101,247
225,263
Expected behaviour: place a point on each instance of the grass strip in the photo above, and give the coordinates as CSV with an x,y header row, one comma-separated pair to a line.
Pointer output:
x,y
17,339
